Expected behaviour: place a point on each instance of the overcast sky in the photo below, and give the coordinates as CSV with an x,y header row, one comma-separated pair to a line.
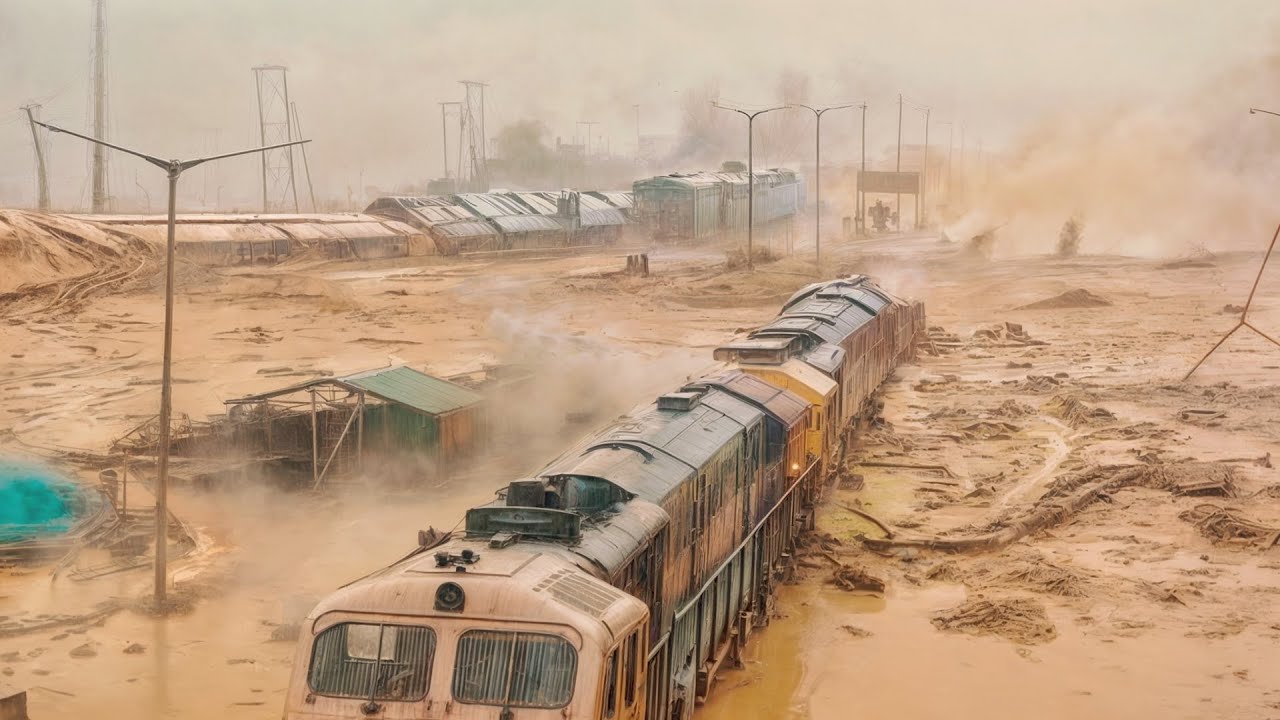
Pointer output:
x,y
367,76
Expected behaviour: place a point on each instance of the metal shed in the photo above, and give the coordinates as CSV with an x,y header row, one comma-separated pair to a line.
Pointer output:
x,y
331,424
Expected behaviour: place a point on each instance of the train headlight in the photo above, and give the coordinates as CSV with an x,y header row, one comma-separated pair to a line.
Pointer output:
x,y
450,598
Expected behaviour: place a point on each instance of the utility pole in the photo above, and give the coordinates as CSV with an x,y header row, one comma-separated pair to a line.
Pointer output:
x,y
587,148
751,175
898,167
924,176
637,109
42,177
862,195
444,131
306,166
173,169
817,178
99,183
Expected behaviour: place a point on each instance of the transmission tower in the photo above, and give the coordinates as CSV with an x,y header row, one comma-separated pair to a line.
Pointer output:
x,y
42,178
473,138
275,126
100,192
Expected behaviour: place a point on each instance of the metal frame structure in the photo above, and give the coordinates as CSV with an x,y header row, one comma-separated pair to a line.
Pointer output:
x,y
275,127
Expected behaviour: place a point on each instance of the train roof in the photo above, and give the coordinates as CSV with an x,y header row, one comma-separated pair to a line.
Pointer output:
x,y
550,585
782,405
654,450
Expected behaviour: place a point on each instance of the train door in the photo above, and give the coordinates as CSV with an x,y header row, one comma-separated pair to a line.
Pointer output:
x,y
623,685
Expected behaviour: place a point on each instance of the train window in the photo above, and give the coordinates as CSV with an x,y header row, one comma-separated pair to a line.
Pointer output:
x,y
361,660
514,669
611,685
633,663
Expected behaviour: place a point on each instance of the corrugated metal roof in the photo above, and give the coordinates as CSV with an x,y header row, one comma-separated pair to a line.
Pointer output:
x,y
826,357
525,223
464,229
407,386
601,217
619,199
642,471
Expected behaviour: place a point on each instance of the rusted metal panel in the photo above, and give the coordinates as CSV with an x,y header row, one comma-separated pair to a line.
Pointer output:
x,y
783,405
619,536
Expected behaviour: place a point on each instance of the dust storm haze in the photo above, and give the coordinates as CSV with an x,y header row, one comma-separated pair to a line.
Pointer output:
x,y
1055,88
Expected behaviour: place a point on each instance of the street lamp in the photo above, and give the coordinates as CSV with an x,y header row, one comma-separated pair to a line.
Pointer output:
x,y
924,174
173,168
1260,110
817,176
751,174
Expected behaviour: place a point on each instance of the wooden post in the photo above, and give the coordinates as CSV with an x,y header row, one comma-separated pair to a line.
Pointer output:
x,y
360,435
315,442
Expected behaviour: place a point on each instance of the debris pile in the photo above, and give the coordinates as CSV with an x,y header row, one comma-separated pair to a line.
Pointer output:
x,y
1222,526
854,579
1021,620
1077,298
1193,478
1075,413
1006,334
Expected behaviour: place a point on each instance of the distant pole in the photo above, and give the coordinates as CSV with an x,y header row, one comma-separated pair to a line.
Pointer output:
x,y
99,192
173,169
751,175
42,178
921,219
637,109
898,166
444,139
306,166
862,195
817,178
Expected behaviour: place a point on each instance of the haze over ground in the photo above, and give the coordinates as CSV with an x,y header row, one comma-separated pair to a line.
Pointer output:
x,y
367,77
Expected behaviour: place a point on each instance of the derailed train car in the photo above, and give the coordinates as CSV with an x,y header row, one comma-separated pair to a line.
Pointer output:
x,y
703,205
618,579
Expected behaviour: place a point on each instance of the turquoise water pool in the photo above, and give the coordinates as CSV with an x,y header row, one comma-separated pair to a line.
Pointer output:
x,y
34,502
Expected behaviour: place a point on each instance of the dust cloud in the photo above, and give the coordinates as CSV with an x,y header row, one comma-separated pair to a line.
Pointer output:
x,y
1147,179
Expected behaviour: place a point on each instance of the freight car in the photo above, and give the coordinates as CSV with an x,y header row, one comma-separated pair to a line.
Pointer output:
x,y
703,205
616,581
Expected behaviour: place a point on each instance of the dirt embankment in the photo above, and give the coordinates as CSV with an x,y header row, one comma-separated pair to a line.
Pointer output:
x,y
53,261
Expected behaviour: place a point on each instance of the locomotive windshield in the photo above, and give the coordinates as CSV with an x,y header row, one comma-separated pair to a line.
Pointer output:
x,y
378,662
514,669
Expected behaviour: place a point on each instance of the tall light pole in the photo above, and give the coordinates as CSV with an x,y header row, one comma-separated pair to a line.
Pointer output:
x,y
817,176
862,195
898,167
637,109
951,147
172,168
924,174
751,174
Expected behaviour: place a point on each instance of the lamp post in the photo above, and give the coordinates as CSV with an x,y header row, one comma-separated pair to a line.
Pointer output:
x,y
862,195
173,169
924,174
1260,110
751,174
817,176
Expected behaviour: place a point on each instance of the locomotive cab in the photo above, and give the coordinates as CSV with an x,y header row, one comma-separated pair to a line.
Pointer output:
x,y
475,628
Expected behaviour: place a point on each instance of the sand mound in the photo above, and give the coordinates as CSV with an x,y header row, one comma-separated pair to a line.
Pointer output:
x,y
37,249
1078,298
1018,619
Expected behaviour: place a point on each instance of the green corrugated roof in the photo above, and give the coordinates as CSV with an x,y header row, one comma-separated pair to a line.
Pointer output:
x,y
417,390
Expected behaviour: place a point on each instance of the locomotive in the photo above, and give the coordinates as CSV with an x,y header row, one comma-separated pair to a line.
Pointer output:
x,y
617,580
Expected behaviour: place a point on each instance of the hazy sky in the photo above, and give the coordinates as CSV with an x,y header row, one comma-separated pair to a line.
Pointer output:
x,y
367,76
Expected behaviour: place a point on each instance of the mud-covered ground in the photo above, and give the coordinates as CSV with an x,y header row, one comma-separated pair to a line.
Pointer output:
x,y
1126,609
1142,604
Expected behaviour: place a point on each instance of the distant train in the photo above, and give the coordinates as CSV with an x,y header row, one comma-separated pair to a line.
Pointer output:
x,y
616,581
703,205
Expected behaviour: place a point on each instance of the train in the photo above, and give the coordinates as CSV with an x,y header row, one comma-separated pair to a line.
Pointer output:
x,y
704,205
618,580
